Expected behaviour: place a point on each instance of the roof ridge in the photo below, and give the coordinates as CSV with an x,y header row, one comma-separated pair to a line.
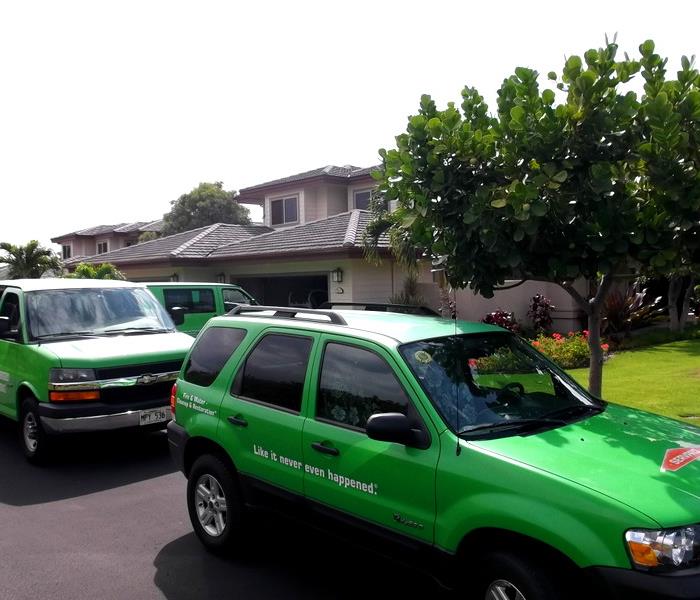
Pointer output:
x,y
195,239
351,231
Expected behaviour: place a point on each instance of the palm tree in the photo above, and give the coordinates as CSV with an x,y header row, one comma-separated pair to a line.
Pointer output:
x,y
30,261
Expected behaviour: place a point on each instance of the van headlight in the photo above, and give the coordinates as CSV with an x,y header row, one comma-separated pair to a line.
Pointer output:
x,y
664,549
71,375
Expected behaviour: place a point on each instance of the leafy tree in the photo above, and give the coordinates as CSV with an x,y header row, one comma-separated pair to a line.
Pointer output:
x,y
30,261
148,236
206,204
541,190
103,271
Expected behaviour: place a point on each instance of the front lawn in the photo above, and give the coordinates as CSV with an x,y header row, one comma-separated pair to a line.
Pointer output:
x,y
663,379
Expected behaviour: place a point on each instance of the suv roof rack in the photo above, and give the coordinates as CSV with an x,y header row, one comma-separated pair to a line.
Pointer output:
x,y
285,312
410,309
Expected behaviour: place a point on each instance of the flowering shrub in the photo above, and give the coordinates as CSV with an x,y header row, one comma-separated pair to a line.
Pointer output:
x,y
540,312
502,319
570,351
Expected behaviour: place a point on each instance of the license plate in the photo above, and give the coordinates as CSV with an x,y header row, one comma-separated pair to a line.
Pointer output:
x,y
154,415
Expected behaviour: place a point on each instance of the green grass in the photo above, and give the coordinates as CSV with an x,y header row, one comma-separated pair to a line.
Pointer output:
x,y
662,379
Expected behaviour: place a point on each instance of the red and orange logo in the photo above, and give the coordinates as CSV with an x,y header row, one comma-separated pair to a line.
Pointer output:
x,y
677,458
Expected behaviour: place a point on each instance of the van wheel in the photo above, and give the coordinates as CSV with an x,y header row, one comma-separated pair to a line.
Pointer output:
x,y
506,576
35,441
215,505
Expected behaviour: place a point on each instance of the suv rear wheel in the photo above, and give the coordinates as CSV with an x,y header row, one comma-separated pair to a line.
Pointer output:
x,y
506,576
214,504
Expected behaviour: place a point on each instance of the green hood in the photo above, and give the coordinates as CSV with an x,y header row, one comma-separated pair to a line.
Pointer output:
x,y
618,453
121,349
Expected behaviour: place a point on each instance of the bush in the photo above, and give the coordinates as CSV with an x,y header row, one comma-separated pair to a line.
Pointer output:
x,y
502,319
540,312
569,352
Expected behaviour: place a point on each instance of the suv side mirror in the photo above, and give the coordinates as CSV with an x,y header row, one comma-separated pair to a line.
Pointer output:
x,y
178,314
395,427
5,330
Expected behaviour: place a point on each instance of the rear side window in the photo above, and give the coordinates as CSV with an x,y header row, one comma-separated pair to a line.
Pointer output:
x,y
275,370
237,296
193,300
210,353
355,384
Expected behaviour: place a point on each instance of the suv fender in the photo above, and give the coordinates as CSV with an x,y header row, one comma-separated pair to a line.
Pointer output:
x,y
197,446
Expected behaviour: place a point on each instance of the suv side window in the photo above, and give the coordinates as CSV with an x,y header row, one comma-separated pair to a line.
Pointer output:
x,y
275,370
210,353
193,300
10,308
356,383
236,296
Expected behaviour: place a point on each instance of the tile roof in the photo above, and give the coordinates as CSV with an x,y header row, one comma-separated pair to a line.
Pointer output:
x,y
346,172
342,231
196,243
118,228
156,226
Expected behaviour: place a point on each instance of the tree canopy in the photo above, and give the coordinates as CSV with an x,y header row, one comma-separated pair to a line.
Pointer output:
x,y
102,271
206,204
30,261
584,179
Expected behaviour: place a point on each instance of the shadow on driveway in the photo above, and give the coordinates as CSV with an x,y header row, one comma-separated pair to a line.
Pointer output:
x,y
82,465
286,560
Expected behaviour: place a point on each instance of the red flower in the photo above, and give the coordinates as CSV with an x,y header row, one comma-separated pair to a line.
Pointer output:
x,y
472,362
557,336
605,347
585,333
536,344
570,334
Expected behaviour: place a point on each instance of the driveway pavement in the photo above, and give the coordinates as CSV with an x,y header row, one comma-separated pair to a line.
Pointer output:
x,y
107,520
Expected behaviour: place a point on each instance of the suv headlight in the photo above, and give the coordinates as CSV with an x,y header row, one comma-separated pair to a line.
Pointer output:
x,y
664,548
71,375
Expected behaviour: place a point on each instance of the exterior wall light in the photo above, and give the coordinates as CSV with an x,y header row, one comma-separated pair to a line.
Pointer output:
x,y
174,277
337,275
221,278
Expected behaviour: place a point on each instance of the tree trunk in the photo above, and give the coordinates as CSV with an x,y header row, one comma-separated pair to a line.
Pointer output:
x,y
682,321
675,285
594,310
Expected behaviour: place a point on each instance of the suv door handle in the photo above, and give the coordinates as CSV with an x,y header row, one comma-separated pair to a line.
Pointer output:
x,y
323,449
240,421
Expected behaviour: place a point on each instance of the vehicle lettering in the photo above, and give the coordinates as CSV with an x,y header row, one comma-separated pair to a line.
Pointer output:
x,y
193,402
407,522
371,488
677,458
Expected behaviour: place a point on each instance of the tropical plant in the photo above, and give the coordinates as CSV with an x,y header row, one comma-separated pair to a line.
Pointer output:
x,y
30,261
502,318
409,294
206,204
103,271
624,311
570,351
540,312
551,191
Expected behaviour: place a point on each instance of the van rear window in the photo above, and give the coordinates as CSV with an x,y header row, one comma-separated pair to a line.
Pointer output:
x,y
193,300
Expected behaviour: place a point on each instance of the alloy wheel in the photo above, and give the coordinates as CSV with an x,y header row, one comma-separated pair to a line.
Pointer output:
x,y
210,503
503,590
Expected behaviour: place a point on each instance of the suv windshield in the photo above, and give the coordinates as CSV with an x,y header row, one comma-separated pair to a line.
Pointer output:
x,y
495,384
94,311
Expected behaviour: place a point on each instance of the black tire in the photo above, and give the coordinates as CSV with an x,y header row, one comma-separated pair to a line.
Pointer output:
x,y
36,443
513,573
215,477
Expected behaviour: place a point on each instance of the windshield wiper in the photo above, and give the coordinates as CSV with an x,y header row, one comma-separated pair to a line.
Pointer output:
x,y
510,424
62,334
128,330
575,410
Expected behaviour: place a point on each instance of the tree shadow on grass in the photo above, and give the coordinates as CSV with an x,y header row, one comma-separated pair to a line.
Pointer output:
x,y
286,559
82,464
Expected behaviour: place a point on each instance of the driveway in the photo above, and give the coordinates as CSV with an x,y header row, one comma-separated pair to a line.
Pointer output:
x,y
108,520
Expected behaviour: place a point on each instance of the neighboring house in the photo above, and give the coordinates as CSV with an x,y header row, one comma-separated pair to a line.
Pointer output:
x,y
103,238
309,247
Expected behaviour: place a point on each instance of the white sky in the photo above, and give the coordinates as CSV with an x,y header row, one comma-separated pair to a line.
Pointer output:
x,y
109,110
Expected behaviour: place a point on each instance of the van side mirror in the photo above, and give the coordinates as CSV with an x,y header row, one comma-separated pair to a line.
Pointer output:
x,y
397,428
178,314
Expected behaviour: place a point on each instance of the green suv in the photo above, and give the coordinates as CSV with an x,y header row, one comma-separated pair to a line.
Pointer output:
x,y
456,441
84,355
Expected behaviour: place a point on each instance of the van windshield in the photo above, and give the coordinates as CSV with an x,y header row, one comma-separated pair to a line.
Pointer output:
x,y
495,384
94,311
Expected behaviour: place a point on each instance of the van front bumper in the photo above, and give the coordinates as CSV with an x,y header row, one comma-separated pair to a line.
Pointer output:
x,y
626,583
85,417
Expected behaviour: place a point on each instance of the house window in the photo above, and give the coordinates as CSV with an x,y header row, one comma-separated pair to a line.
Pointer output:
x,y
284,210
102,247
362,198
66,251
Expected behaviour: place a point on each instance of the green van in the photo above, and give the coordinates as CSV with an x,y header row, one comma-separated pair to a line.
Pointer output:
x,y
455,444
192,304
80,355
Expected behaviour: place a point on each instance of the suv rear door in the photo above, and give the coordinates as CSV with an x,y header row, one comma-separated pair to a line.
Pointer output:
x,y
261,418
388,484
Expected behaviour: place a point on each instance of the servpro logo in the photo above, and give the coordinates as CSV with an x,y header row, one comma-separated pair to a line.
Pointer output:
x,y
677,458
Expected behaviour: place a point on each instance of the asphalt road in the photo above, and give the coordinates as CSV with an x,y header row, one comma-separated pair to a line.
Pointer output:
x,y
107,520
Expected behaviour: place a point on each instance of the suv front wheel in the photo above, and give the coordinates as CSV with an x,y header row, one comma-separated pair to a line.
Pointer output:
x,y
506,576
214,504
